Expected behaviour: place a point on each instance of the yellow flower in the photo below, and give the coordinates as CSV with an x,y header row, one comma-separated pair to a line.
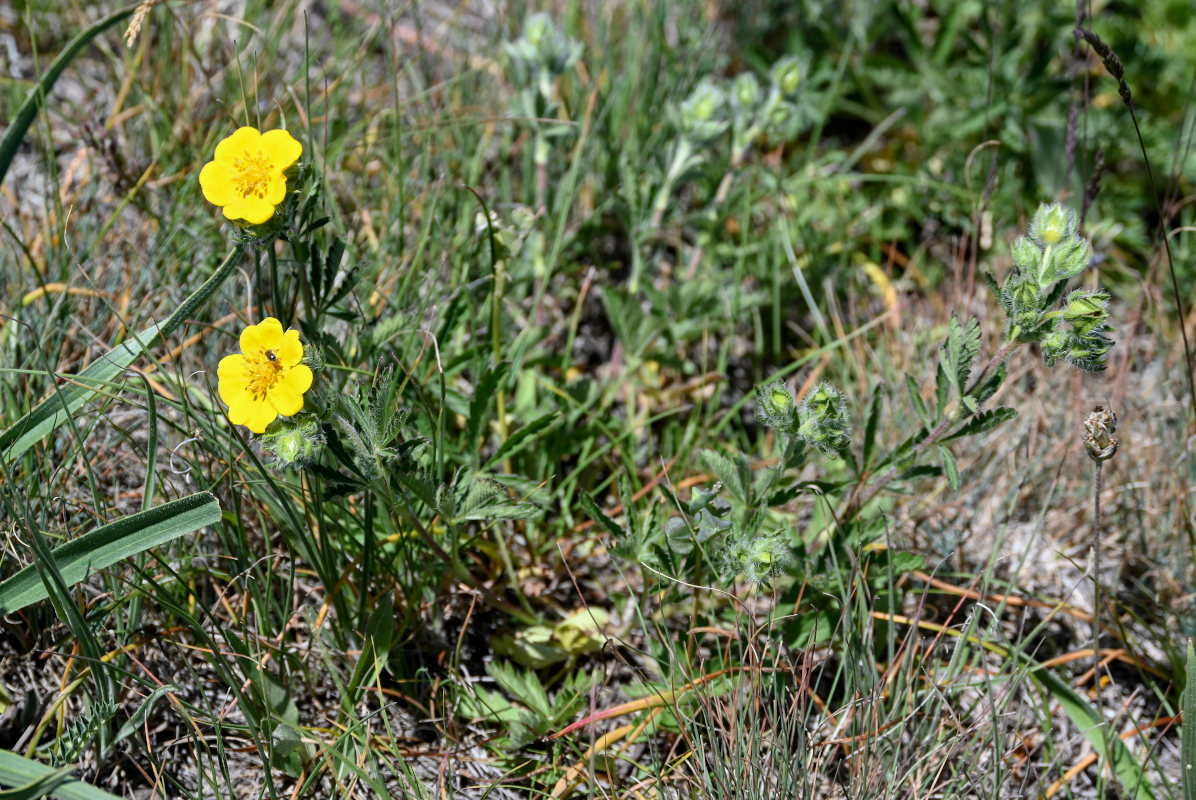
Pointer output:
x,y
248,175
266,378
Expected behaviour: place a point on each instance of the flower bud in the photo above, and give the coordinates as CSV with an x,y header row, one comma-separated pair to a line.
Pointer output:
x,y
1086,311
1067,260
824,420
294,444
787,76
701,115
1052,224
745,92
776,407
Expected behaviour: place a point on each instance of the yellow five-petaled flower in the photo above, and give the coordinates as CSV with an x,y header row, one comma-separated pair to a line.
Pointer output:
x,y
248,175
266,378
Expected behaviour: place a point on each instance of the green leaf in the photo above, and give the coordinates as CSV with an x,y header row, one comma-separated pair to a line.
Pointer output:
x,y
870,429
984,421
499,511
735,475
942,392
963,343
69,398
915,398
523,437
37,95
485,390
598,515
106,545
949,467
35,780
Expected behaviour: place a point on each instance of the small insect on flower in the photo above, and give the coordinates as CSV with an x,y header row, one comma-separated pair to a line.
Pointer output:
x,y
248,175
266,378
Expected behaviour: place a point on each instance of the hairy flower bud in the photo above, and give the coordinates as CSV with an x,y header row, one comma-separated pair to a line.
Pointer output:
x,y
1086,311
295,444
701,116
787,76
824,419
745,92
776,407
1052,224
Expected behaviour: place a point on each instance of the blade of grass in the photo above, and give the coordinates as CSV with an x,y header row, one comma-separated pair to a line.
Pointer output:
x,y
106,545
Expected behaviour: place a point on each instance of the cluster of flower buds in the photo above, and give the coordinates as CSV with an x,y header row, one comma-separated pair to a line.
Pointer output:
x,y
756,110
1044,260
537,59
758,560
821,420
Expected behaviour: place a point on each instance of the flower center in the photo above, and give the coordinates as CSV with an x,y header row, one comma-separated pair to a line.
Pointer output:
x,y
264,372
253,174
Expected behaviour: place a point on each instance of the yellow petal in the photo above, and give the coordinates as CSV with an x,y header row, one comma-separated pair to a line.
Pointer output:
x,y
282,148
261,415
264,335
290,350
276,190
285,401
238,142
297,379
216,180
232,377
251,209
270,333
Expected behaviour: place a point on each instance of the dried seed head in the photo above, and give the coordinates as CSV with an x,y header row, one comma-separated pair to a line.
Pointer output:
x,y
1099,434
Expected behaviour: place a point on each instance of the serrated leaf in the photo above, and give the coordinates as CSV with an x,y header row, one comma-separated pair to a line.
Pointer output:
x,y
949,467
942,391
870,427
598,515
729,473
982,422
523,437
963,343
915,398
482,394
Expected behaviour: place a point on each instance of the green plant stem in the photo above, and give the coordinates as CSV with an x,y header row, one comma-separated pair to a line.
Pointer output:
x,y
857,502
